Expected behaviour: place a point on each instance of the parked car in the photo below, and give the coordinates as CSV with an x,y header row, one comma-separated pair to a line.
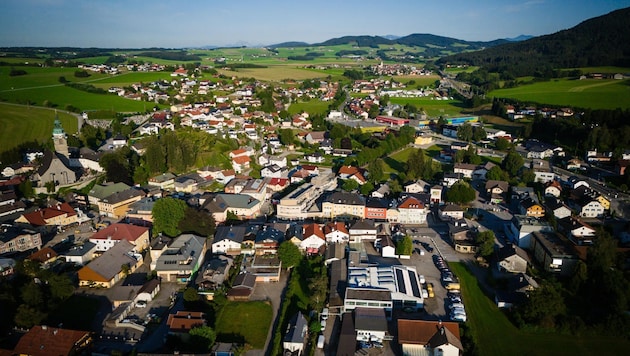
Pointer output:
x,y
458,317
325,314
323,324
422,280
430,290
425,293
455,299
456,305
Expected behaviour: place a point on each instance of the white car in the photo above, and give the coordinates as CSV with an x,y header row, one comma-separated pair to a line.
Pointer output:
x,y
325,314
456,306
323,324
458,317
425,294
422,280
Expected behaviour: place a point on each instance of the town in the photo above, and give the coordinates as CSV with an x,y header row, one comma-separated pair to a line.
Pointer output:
x,y
361,196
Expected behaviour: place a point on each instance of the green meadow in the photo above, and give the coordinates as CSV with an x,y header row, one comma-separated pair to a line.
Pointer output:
x,y
433,108
586,93
23,124
249,320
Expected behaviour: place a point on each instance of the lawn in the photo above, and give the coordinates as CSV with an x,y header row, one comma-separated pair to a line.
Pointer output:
x,y
587,93
250,320
313,107
494,334
433,108
22,124
395,162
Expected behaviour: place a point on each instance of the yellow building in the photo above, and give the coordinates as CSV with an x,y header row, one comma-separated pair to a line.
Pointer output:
x,y
117,204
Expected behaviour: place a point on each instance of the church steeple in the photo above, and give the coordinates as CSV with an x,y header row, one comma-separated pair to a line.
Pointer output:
x,y
59,137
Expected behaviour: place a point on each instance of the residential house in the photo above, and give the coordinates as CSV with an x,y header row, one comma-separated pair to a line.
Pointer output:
x,y
102,191
229,240
16,239
576,230
313,239
9,203
376,209
343,205
575,182
412,211
351,172
531,207
273,171
587,207
382,191
256,188
553,253
370,324
45,256
183,321
436,194
363,230
347,337
107,270
336,232
418,186
512,259
553,189
188,183
521,229
451,178
214,273
105,238
267,240
517,291
243,287
465,169
266,268
277,184
315,157
296,335
165,181
181,259
61,214
542,171
314,137
80,254
240,163
42,340
424,337
462,236
148,291
496,191
118,204
241,205
558,208
448,212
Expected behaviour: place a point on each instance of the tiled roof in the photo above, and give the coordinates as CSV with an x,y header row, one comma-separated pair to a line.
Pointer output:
x,y
45,341
120,232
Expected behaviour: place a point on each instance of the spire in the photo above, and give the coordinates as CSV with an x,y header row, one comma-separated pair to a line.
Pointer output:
x,y
57,128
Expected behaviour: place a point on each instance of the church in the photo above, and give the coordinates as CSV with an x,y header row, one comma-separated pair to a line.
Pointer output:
x,y
55,166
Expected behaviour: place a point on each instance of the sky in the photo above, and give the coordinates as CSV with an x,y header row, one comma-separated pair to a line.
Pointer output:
x,y
196,23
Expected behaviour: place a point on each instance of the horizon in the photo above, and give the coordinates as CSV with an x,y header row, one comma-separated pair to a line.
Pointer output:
x,y
250,23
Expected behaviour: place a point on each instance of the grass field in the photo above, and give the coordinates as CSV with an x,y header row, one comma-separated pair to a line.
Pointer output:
x,y
274,73
313,107
433,108
22,124
251,320
587,93
495,335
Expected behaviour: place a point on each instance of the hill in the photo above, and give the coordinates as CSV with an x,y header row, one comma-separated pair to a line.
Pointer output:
x,y
600,41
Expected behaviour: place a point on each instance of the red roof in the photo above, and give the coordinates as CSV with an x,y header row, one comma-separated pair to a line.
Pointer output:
x,y
313,229
241,159
183,321
45,341
279,181
335,226
238,152
120,232
411,203
43,255
349,170
39,217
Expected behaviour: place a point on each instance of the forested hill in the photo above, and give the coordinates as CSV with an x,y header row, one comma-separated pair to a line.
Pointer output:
x,y
600,41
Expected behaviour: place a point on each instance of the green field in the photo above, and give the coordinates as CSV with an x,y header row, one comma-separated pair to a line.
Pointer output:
x,y
587,93
22,124
433,108
251,320
494,334
313,107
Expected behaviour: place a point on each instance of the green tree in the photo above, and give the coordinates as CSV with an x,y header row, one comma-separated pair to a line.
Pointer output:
x,y
202,337
512,163
377,171
60,286
318,287
479,133
460,193
366,188
544,305
197,222
404,246
167,213
289,254
496,173
32,295
26,188
502,144
485,241
286,136
465,132
350,185
191,295
27,316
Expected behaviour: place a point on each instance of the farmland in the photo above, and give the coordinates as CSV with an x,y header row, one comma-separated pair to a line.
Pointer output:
x,y
587,93
23,124
433,108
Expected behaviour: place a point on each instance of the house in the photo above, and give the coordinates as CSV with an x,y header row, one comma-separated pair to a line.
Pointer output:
x,y
517,291
512,259
183,321
531,207
436,194
376,209
462,236
370,324
277,184
107,270
296,335
553,253
558,208
42,340
214,273
118,204
266,268
314,158
148,291
576,230
388,248
553,189
240,163
267,240
114,233
416,337
351,172
188,183
243,287
45,256
588,207
450,212
313,239
418,186
228,240
273,171
61,214
165,181
9,203
521,229
363,230
16,239
496,190
451,178
336,232
80,254
543,171
347,337
102,191
181,259
343,204
412,211
465,169
575,182
241,205
381,192
7,268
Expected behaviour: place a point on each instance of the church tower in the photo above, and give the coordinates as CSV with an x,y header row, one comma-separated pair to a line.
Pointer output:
x,y
60,138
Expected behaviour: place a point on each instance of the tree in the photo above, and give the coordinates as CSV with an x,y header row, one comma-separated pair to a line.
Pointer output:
x,y
460,193
496,173
26,316
512,163
404,246
167,213
479,133
191,295
286,136
289,254
544,305
202,337
377,171
60,286
485,241
197,222
318,286
350,185
502,144
465,132
366,188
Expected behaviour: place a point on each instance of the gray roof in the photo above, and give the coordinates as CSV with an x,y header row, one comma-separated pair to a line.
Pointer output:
x,y
372,319
297,329
232,233
363,225
368,294
444,337
103,191
183,253
346,198
109,263
245,280
223,202
124,195
81,250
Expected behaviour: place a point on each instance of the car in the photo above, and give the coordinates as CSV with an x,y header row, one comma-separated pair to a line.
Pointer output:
x,y
141,304
456,305
425,293
430,290
458,317
447,278
455,299
323,324
422,280
325,314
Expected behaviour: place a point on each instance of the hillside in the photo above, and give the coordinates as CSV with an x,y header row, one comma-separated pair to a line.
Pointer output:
x,y
600,41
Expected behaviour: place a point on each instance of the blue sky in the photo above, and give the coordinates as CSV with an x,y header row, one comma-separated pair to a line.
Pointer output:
x,y
191,23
